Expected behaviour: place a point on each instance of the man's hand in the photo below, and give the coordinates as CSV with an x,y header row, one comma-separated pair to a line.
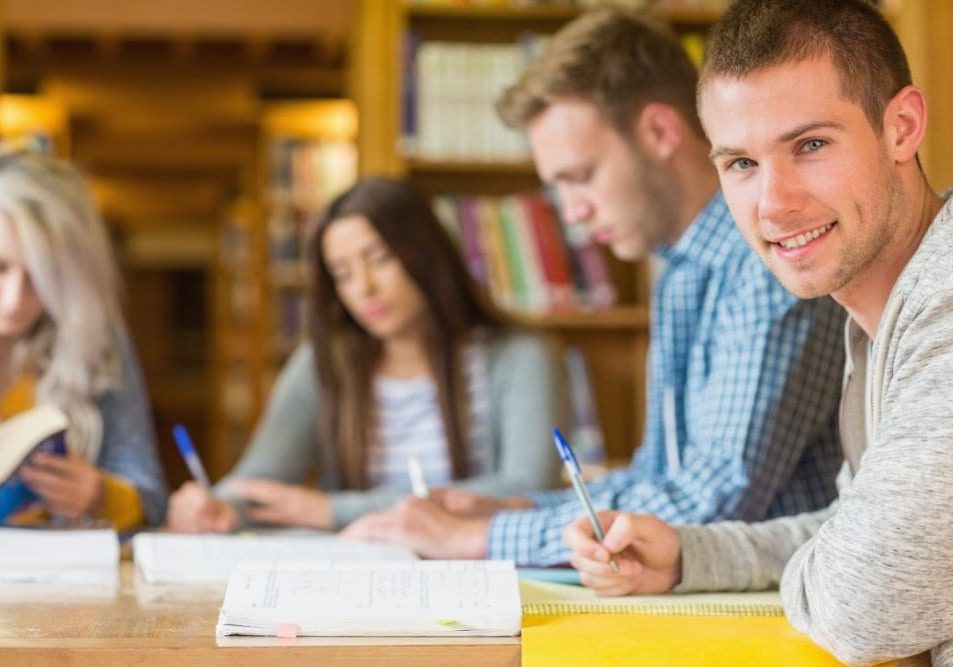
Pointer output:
x,y
70,486
192,509
284,504
646,550
424,527
465,503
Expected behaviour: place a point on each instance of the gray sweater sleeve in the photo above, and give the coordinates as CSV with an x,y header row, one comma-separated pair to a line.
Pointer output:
x,y
283,446
870,578
528,398
738,556
875,582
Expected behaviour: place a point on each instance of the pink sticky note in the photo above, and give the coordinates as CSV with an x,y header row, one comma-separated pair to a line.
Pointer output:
x,y
287,630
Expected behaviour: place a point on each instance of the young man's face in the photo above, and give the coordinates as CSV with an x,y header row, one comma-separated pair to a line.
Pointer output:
x,y
601,179
807,179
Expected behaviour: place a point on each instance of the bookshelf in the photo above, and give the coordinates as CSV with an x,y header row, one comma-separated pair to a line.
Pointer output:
x,y
388,38
306,155
614,341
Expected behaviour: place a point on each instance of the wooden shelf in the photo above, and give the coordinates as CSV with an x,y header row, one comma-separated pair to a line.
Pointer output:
x,y
558,13
684,14
629,318
425,165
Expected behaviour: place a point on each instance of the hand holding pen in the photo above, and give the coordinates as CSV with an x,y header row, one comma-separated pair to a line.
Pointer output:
x,y
418,484
190,456
193,508
575,477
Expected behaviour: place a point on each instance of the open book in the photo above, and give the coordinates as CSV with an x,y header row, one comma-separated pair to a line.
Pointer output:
x,y
175,558
385,598
42,429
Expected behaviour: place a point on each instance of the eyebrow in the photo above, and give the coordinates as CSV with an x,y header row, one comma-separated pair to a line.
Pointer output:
x,y
790,135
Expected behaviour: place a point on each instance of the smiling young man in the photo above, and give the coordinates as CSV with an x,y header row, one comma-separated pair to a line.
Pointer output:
x,y
743,377
815,128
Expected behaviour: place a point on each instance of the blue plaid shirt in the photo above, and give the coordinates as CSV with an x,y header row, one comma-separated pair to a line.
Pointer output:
x,y
750,378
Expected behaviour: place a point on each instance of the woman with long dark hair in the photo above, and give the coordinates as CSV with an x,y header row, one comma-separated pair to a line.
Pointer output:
x,y
407,360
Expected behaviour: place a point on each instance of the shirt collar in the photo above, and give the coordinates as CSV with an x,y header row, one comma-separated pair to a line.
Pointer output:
x,y
709,239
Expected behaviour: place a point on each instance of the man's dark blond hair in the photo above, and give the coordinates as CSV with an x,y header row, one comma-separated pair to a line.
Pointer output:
x,y
758,34
617,60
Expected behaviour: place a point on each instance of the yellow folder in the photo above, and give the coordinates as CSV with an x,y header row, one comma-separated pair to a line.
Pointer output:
x,y
568,625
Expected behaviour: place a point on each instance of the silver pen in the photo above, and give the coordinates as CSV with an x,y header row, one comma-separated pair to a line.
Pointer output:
x,y
575,476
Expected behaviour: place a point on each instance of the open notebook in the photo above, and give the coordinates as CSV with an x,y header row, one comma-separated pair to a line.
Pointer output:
x,y
174,558
551,599
384,598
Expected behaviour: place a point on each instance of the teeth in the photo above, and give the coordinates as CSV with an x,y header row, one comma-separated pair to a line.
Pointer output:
x,y
803,239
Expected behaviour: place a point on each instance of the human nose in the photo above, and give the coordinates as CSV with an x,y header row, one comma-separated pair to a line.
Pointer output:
x,y
13,288
576,206
364,280
779,194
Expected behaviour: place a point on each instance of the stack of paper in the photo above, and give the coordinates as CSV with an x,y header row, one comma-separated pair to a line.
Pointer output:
x,y
172,558
58,556
417,598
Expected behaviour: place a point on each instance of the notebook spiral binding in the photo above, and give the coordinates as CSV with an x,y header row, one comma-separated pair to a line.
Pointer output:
x,y
708,609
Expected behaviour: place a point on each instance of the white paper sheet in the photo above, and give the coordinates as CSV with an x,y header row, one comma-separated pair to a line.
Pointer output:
x,y
172,558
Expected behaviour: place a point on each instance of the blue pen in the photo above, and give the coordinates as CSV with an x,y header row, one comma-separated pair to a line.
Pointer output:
x,y
187,449
575,476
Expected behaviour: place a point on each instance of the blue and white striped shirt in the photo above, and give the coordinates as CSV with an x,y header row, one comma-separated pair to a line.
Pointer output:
x,y
749,375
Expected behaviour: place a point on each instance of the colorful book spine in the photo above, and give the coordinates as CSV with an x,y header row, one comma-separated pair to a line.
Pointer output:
x,y
491,235
513,256
552,250
537,297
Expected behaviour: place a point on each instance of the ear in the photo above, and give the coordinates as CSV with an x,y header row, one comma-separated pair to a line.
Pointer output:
x,y
905,121
660,130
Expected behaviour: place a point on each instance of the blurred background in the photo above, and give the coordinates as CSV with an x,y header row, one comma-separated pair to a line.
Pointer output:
x,y
213,132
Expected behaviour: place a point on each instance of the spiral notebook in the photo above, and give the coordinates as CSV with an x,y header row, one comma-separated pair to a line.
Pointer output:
x,y
550,599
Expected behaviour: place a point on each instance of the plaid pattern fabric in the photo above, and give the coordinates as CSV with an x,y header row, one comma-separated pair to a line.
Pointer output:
x,y
751,378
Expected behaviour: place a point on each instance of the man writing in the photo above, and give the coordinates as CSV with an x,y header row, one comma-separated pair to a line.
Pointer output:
x,y
815,127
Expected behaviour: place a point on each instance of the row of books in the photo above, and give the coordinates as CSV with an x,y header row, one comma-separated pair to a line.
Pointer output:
x,y
303,175
520,4
522,252
306,173
450,90
448,98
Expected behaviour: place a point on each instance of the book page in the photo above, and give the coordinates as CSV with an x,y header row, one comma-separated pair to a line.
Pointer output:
x,y
22,433
544,598
378,598
168,557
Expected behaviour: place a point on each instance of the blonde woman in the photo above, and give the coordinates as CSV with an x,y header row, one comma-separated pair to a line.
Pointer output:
x,y
63,343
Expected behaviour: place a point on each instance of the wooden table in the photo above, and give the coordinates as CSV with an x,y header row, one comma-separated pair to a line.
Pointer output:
x,y
132,623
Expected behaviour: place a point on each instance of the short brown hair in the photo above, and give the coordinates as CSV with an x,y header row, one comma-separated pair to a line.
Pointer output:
x,y
757,34
616,59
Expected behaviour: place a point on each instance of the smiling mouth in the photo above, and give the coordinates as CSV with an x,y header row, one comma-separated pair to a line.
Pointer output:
x,y
803,239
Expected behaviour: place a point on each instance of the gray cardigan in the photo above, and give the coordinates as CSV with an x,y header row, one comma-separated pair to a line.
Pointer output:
x,y
870,578
528,398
